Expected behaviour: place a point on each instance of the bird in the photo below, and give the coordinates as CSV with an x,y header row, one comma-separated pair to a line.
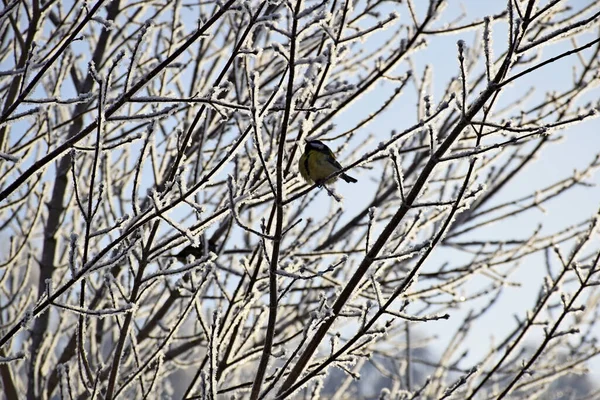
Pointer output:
x,y
192,250
318,162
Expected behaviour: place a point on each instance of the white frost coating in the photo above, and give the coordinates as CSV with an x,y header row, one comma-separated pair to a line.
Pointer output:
x,y
307,125
312,60
82,98
73,254
377,289
8,9
561,33
116,257
320,18
105,312
137,52
474,156
299,266
279,48
32,112
337,88
398,174
461,49
364,34
206,261
268,18
410,252
223,144
190,236
332,192
214,351
488,47
372,211
15,357
160,114
108,24
9,157
279,353
427,100
221,90
460,382
309,10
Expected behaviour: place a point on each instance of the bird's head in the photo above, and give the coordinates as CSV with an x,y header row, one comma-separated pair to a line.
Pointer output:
x,y
314,145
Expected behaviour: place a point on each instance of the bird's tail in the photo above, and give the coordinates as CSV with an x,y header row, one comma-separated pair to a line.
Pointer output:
x,y
348,178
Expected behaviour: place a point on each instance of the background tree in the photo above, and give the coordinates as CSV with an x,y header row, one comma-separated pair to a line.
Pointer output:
x,y
158,238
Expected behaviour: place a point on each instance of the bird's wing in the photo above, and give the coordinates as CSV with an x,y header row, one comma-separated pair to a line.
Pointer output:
x,y
304,167
332,160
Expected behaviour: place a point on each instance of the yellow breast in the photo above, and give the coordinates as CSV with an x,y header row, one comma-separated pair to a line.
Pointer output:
x,y
315,167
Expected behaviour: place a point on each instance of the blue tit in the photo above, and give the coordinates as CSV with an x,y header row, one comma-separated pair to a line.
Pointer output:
x,y
318,162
